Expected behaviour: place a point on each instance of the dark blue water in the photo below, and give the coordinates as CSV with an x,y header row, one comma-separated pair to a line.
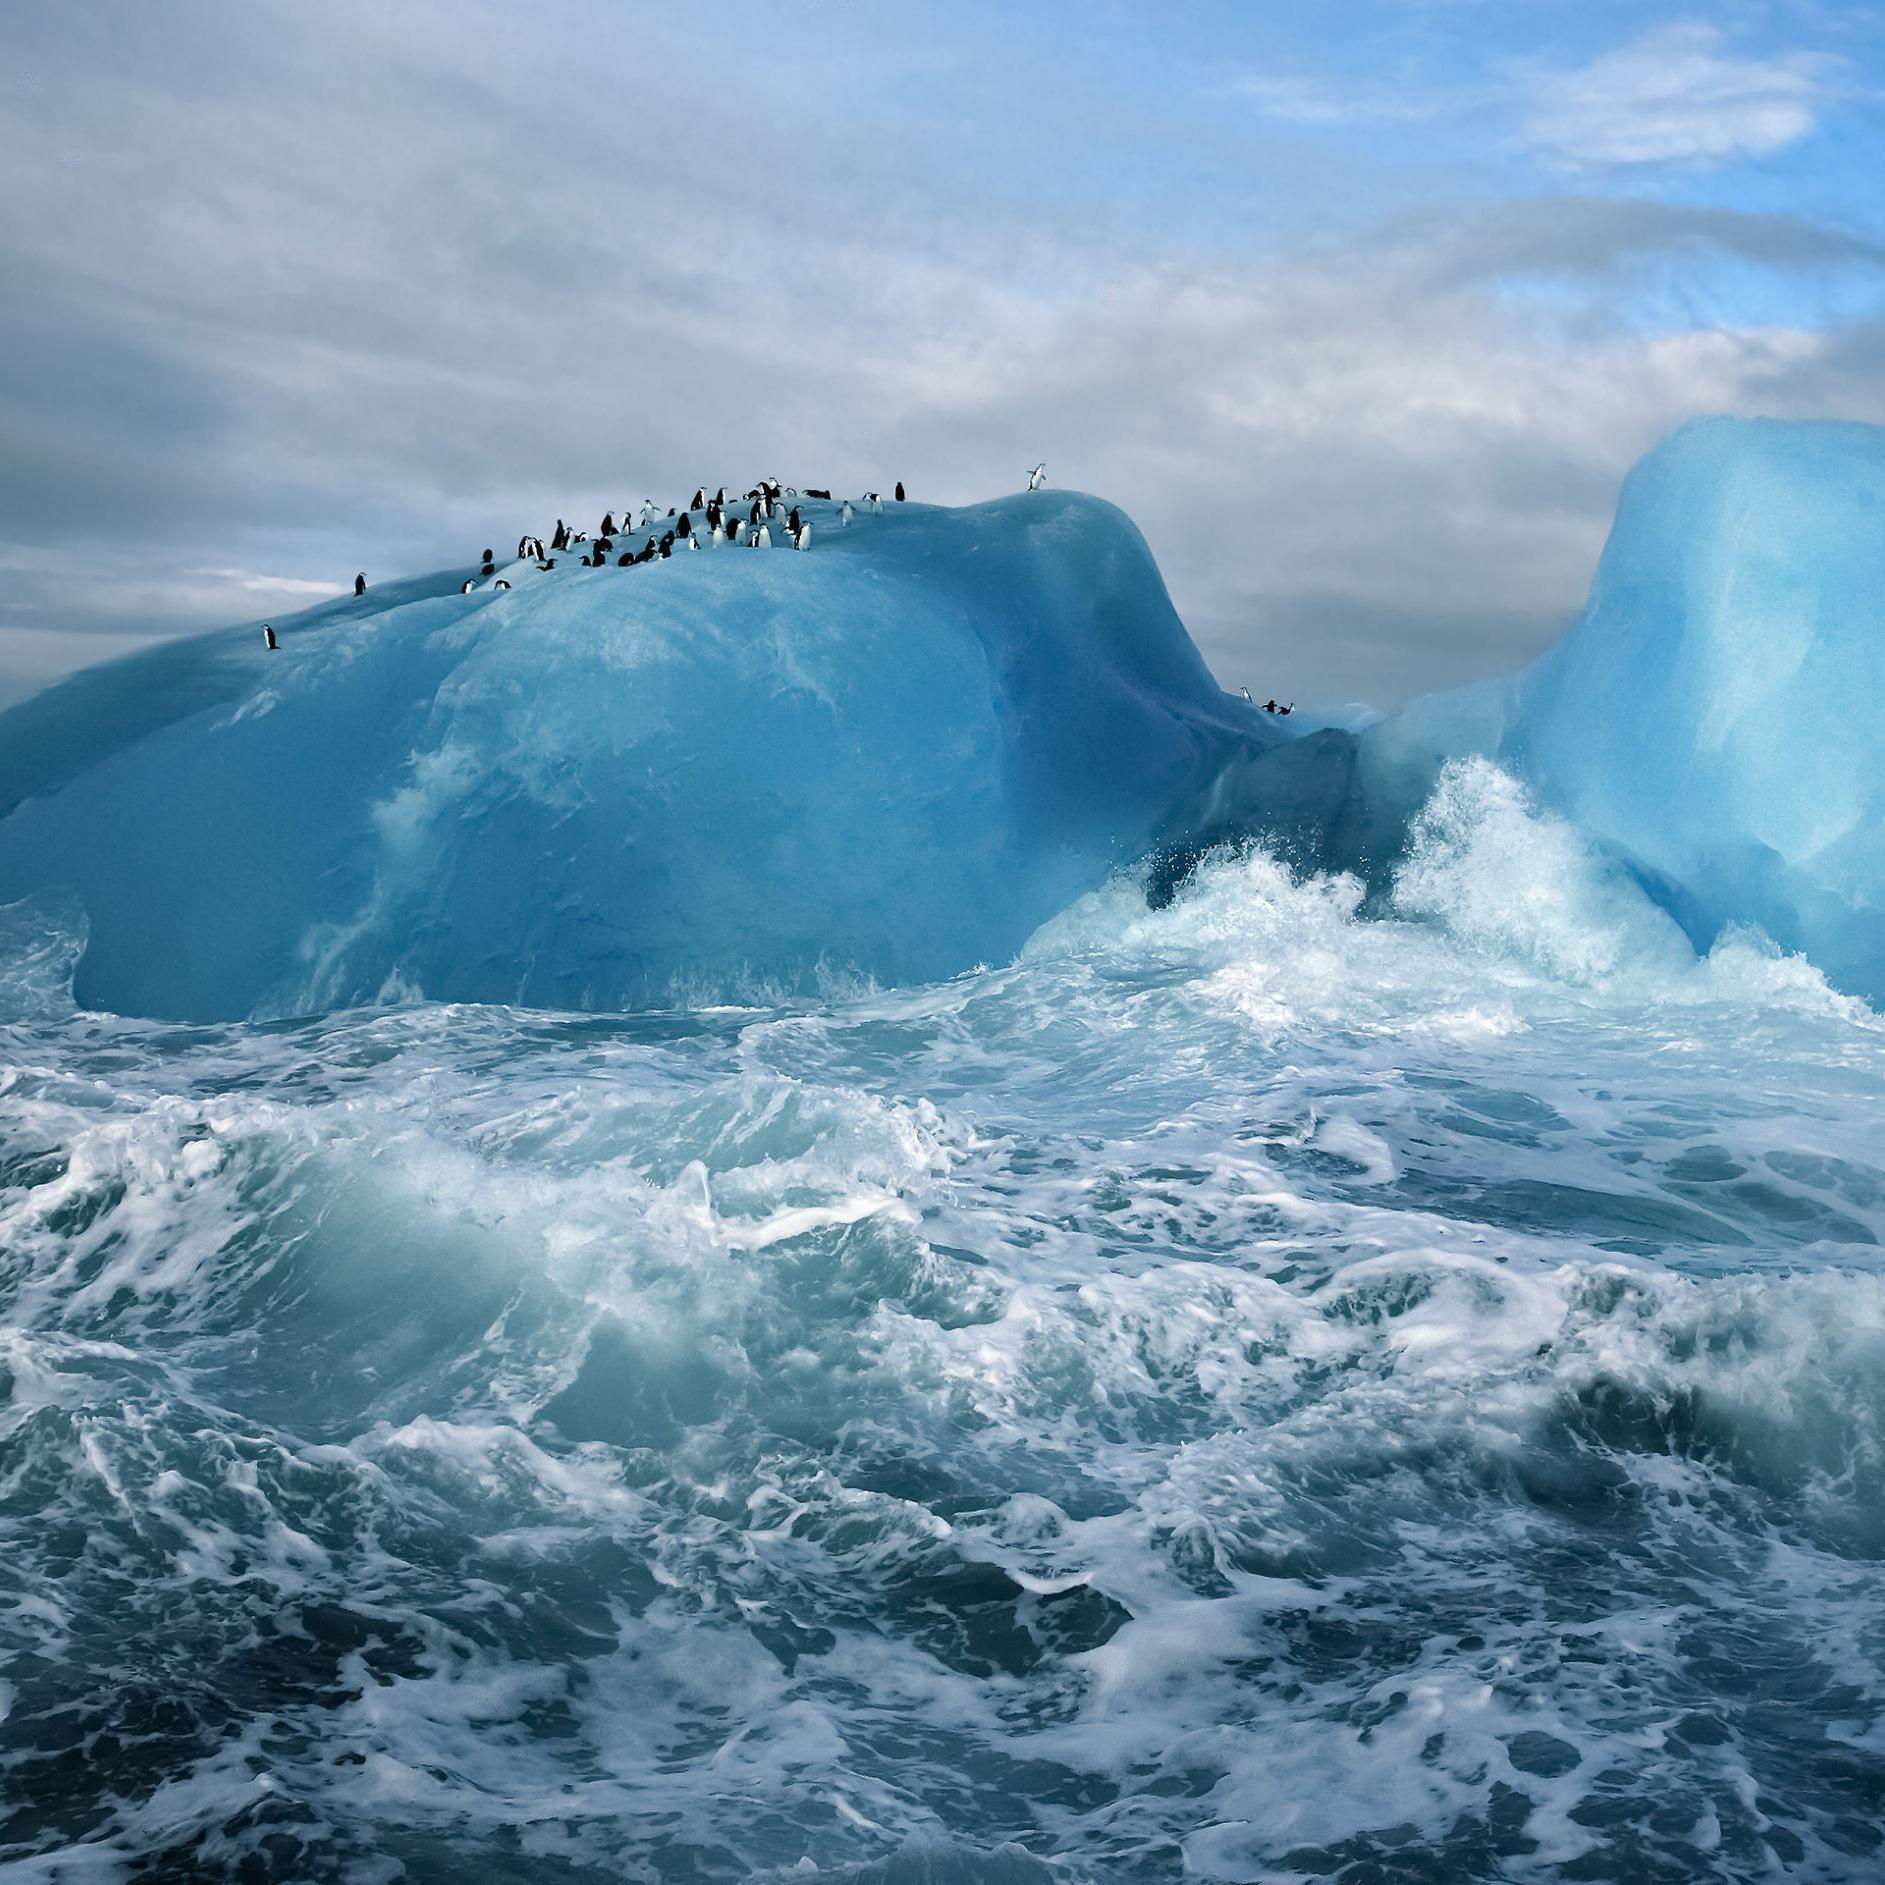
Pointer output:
x,y
1244,1393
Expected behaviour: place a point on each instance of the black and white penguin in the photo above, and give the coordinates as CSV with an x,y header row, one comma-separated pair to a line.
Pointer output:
x,y
489,569
608,525
753,516
792,521
1038,476
845,515
719,534
762,538
1291,708
1246,694
802,537
467,586
625,559
700,498
268,638
500,584
1269,706
360,584
899,490
810,492
560,540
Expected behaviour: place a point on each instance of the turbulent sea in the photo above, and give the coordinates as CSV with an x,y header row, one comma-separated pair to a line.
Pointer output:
x,y
1252,1390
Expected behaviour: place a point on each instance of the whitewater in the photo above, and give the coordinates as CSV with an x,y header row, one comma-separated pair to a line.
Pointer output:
x,y
1045,1282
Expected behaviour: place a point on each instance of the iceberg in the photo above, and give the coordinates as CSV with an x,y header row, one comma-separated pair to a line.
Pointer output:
x,y
1713,722
891,757
1716,716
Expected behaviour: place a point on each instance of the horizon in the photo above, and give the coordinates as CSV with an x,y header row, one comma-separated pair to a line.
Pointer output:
x,y
1362,322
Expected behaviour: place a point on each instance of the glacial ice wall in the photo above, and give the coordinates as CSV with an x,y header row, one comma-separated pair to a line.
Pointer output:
x,y
892,756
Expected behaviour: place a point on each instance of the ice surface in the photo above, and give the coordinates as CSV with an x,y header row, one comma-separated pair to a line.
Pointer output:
x,y
893,756
1717,715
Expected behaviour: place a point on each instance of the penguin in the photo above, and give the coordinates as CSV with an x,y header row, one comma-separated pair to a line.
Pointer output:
x,y
489,569
360,584
488,556
845,515
1291,708
700,497
810,491
899,490
268,635
467,586
753,516
648,512
762,538
873,502
792,522
560,541
720,497
1269,706
500,584
802,537
670,510
548,562
1038,476
1246,694
608,525
625,559
606,545
719,535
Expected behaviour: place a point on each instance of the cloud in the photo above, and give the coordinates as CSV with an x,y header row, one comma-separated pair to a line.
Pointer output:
x,y
1676,97
276,309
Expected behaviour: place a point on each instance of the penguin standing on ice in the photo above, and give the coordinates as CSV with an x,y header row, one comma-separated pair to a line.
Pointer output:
x,y
268,638
802,537
560,540
762,538
700,498
360,584
792,520
1038,476
608,525
899,490
1246,694
719,534
465,588
1291,708
1269,706
845,515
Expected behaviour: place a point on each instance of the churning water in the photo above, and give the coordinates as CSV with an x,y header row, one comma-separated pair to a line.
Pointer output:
x,y
1251,1390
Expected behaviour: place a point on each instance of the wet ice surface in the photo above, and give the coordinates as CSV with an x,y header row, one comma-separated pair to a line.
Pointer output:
x,y
1241,1393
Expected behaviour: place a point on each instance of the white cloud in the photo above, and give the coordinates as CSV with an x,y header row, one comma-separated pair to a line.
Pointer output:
x,y
1675,96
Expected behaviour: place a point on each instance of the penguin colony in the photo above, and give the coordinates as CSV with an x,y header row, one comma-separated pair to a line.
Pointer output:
x,y
743,522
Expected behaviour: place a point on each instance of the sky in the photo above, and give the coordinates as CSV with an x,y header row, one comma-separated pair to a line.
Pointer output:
x,y
1360,311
